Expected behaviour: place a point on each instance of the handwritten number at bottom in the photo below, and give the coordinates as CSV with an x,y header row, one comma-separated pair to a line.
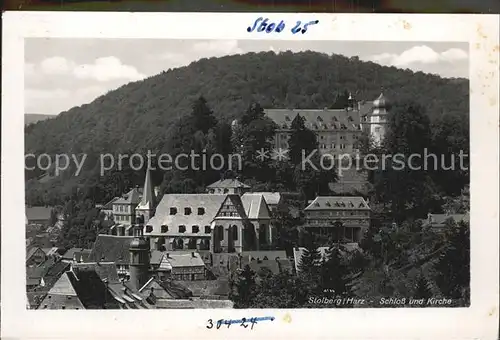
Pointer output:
x,y
210,324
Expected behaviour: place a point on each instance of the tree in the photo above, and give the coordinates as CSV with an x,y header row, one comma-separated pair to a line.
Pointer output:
x,y
453,268
334,272
404,181
302,140
245,288
309,264
422,290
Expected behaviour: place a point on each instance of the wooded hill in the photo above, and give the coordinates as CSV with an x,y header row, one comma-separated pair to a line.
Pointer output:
x,y
139,115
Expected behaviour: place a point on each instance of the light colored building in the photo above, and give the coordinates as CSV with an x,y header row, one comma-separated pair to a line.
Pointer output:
x,y
228,186
346,218
438,221
221,223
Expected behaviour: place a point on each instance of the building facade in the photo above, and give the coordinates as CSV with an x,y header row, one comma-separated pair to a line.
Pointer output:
x,y
345,218
220,223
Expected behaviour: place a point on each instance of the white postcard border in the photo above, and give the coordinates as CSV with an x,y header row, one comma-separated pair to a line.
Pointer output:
x,y
478,321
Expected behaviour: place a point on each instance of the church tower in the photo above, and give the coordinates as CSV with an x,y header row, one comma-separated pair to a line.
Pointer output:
x,y
139,258
146,207
378,119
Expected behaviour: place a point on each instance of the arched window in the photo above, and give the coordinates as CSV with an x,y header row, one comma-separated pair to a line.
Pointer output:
x,y
235,232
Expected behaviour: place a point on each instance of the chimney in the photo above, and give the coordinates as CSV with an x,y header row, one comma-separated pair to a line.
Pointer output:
x,y
193,254
429,218
168,255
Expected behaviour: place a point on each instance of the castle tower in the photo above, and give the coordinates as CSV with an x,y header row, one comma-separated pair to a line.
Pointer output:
x,y
147,205
139,258
378,119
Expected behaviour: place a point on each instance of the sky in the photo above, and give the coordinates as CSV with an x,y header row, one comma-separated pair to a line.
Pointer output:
x,y
62,73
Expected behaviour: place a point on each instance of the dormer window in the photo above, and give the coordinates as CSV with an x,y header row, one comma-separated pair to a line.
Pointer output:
x,y
149,228
316,204
164,228
328,204
201,211
195,229
350,119
182,229
351,205
287,118
208,230
187,211
361,205
319,119
334,119
173,211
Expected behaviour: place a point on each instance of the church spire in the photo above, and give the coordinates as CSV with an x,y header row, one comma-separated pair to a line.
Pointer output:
x,y
147,205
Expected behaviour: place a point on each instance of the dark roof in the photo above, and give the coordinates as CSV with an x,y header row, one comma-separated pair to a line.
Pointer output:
x,y
91,291
32,252
338,203
105,271
78,252
317,119
38,213
109,205
228,183
134,196
56,301
274,266
110,248
166,288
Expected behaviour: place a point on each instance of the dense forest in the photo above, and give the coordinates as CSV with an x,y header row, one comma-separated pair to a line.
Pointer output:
x,y
140,115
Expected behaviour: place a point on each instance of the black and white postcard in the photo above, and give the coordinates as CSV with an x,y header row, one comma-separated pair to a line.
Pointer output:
x,y
244,175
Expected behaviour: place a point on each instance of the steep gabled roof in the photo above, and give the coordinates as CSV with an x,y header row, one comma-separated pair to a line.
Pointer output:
x,y
228,184
272,198
255,206
134,196
110,248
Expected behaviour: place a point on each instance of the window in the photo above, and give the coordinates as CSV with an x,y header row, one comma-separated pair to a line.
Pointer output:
x,y
208,230
333,145
226,191
187,211
173,211
164,228
235,233
195,229
182,228
201,211
322,137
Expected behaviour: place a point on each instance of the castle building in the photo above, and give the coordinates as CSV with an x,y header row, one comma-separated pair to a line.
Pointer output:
x,y
345,218
337,130
228,186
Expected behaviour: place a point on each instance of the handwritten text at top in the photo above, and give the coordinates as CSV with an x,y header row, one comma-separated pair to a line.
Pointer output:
x,y
267,26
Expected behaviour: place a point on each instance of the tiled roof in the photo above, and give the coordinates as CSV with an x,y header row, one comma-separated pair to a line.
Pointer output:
x,y
326,119
228,183
63,286
255,206
275,266
184,260
38,213
264,254
440,219
272,198
32,251
210,203
105,271
193,304
51,251
109,205
165,289
91,291
57,301
110,248
78,253
134,196
338,203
